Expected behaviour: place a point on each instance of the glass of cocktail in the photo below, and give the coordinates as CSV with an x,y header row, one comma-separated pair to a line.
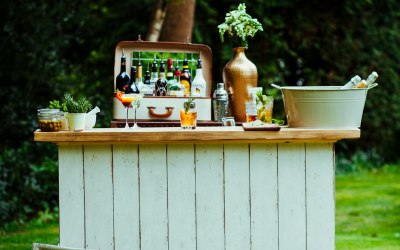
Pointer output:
x,y
188,119
135,105
127,100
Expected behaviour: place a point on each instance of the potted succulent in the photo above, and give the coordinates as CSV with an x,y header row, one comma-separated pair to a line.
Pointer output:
x,y
76,111
239,74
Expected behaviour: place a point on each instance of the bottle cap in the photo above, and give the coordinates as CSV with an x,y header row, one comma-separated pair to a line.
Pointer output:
x,y
199,63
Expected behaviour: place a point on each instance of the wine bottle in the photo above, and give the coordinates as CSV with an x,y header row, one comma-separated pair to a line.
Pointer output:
x,y
139,79
170,71
186,77
133,84
154,76
161,84
123,79
146,86
199,84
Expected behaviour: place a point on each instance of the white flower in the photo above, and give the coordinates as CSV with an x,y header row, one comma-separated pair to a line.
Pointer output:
x,y
238,26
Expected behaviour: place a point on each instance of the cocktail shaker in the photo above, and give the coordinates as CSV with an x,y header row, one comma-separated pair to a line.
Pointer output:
x,y
220,102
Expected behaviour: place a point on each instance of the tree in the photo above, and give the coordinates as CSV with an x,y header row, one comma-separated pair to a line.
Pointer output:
x,y
172,21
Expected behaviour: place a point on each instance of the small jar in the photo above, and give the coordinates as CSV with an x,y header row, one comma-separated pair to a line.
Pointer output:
x,y
49,120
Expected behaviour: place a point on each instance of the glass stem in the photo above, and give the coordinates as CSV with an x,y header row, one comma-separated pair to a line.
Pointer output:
x,y
126,124
134,122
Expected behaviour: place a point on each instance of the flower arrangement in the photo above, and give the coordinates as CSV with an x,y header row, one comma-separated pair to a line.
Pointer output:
x,y
238,26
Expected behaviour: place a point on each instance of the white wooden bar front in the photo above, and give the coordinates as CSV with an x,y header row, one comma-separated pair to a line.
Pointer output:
x,y
209,195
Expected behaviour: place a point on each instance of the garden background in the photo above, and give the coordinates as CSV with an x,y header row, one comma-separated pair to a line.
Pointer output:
x,y
48,48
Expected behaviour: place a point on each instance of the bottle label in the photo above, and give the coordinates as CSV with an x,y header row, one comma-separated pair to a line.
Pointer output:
x,y
186,84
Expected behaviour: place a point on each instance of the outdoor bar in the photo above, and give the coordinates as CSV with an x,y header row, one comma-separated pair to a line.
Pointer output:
x,y
207,188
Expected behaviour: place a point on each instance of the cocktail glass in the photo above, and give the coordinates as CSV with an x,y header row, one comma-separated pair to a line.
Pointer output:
x,y
135,105
127,100
188,119
264,109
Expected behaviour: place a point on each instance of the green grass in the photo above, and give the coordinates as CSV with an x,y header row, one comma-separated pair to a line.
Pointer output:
x,y
368,211
367,216
20,237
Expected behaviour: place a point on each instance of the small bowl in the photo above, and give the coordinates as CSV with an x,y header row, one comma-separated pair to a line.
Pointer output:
x,y
90,121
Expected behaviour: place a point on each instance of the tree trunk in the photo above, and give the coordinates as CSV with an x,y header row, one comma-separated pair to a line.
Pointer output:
x,y
179,19
157,21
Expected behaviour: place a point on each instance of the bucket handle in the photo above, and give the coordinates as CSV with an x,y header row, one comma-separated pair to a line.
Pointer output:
x,y
372,85
276,86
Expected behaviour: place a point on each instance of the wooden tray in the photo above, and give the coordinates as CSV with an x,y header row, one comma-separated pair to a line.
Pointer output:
x,y
264,127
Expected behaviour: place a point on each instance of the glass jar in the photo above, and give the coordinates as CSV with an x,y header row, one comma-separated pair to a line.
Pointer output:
x,y
49,120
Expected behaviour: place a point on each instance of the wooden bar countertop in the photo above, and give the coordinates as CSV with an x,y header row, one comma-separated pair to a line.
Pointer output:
x,y
174,135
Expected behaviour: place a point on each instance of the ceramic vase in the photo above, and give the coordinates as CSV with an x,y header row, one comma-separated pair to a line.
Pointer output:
x,y
239,74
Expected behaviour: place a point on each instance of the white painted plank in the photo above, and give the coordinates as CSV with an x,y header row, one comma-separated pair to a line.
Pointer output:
x,y
153,197
71,196
210,197
320,194
126,197
237,196
98,197
291,189
264,196
181,197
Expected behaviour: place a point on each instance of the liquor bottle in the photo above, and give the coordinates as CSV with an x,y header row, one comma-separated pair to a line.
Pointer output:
x,y
146,86
170,72
147,76
161,84
177,73
153,76
199,84
133,84
371,78
139,78
352,83
123,79
186,77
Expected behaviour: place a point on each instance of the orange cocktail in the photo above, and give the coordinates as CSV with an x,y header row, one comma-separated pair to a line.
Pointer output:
x,y
127,100
188,119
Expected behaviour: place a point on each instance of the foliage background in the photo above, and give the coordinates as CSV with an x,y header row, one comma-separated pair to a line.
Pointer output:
x,y
51,47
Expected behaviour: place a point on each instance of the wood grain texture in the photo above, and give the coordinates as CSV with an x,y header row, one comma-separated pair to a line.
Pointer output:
x,y
292,203
181,197
264,196
320,194
153,197
98,197
71,196
210,197
126,197
217,135
237,196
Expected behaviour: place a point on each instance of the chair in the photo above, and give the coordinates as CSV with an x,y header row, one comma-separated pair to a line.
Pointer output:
x,y
40,246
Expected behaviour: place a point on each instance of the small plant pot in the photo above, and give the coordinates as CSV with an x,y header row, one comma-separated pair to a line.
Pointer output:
x,y
76,121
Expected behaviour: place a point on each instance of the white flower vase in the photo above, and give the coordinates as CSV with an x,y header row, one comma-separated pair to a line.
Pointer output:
x,y
76,121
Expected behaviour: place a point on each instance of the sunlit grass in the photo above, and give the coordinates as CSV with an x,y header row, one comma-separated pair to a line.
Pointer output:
x,y
368,211
21,237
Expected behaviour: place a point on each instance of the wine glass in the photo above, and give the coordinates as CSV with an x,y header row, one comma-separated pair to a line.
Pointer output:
x,y
126,100
135,105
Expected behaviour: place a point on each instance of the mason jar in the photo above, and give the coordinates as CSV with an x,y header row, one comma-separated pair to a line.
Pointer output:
x,y
49,120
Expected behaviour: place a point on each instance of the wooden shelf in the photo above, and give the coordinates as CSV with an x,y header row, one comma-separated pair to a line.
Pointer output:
x,y
174,135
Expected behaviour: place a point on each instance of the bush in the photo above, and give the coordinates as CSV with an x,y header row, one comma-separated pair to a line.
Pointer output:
x,y
27,183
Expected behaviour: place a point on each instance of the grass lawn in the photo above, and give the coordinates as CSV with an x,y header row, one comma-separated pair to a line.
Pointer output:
x,y
367,216
368,211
